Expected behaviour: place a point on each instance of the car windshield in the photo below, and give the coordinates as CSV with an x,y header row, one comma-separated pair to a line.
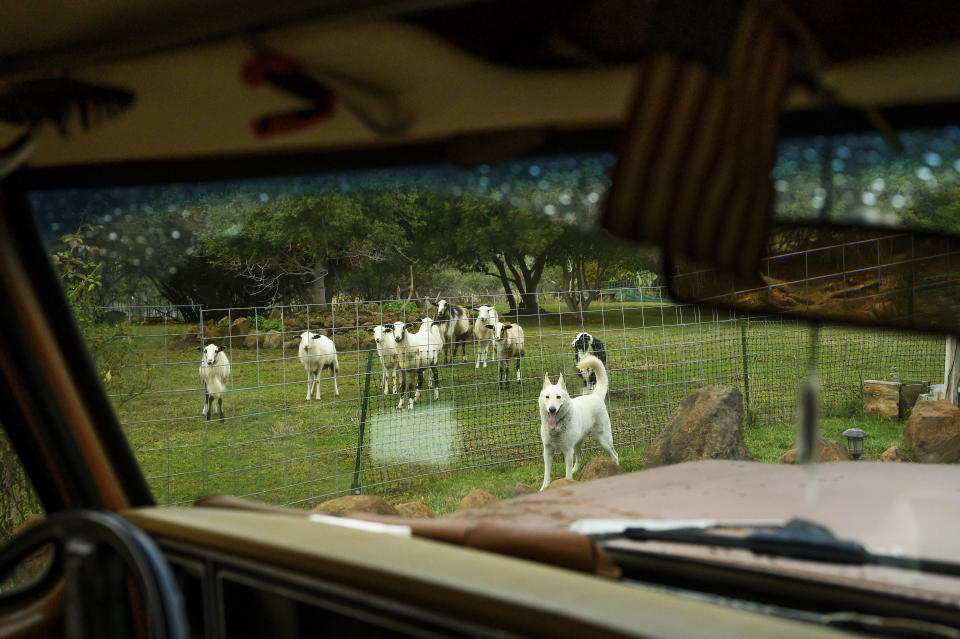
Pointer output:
x,y
388,332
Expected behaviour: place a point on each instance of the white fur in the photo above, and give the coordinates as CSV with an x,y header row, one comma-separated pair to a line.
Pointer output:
x,y
389,357
482,333
214,372
575,419
416,352
507,346
318,352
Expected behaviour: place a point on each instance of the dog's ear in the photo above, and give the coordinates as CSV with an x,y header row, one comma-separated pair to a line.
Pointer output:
x,y
561,383
546,380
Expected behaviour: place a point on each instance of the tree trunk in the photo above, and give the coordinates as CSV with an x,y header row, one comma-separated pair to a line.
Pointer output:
x,y
501,269
318,286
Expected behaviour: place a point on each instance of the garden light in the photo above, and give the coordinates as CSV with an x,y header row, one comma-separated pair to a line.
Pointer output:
x,y
855,438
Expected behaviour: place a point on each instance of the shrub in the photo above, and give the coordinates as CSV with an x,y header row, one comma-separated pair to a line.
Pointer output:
x,y
396,306
264,324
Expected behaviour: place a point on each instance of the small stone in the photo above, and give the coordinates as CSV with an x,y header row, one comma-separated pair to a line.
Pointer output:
x,y
563,482
415,510
523,489
476,497
600,467
273,339
828,450
355,504
893,454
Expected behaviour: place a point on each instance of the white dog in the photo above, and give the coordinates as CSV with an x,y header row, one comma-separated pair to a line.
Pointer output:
x,y
565,422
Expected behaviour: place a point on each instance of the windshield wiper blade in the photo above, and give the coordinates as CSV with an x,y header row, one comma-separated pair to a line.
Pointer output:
x,y
797,539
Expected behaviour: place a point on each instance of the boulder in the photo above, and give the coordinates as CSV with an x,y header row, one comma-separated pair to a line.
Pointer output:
x,y
415,510
828,450
240,327
292,343
523,489
210,330
563,482
476,497
273,339
893,454
253,340
600,467
932,433
224,321
355,504
708,424
275,314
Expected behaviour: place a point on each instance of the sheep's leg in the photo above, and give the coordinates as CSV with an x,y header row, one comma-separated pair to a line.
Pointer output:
x,y
416,396
486,353
208,407
220,407
519,379
203,413
309,385
403,388
463,350
436,381
336,389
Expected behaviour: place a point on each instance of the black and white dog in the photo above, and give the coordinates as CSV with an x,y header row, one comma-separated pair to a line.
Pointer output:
x,y
586,344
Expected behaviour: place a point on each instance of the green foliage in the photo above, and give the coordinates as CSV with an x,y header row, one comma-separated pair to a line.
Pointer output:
x,y
17,499
80,275
397,305
265,324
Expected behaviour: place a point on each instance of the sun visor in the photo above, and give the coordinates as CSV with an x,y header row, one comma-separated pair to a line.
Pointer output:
x,y
695,155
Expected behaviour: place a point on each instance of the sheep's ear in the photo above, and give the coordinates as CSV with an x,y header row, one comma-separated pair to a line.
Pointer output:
x,y
507,325
219,349
315,336
546,380
561,383
200,348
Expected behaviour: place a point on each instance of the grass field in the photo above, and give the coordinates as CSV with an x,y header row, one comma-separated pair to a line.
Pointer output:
x,y
274,446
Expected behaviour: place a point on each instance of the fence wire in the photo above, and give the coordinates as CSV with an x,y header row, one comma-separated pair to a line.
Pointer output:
x,y
274,445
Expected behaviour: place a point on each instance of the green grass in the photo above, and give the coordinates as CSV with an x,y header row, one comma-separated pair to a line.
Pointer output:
x,y
274,446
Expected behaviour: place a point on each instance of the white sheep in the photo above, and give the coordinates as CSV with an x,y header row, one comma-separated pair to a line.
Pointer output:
x,y
389,357
318,352
418,352
454,324
483,332
507,345
214,373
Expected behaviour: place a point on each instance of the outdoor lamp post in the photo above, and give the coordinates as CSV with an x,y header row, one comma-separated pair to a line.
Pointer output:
x,y
855,441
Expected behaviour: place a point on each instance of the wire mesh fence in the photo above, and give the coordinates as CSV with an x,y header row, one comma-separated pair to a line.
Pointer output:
x,y
276,445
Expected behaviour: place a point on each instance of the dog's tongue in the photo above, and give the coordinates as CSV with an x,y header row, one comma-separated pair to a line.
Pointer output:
x,y
552,420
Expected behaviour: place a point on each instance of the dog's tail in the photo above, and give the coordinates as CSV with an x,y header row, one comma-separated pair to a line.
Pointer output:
x,y
598,369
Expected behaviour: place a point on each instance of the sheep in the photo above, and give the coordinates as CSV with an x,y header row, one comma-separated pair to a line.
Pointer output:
x,y
454,323
482,333
318,352
389,357
418,351
214,373
507,345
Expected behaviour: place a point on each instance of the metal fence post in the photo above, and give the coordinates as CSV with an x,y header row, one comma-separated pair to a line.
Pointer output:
x,y
356,487
746,367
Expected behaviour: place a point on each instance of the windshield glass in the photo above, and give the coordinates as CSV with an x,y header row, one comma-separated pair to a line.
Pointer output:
x,y
267,338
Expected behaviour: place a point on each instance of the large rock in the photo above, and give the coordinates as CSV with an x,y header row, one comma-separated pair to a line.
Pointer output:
x,y
355,504
476,497
523,489
275,314
240,327
563,482
273,339
708,424
893,454
415,510
600,467
292,343
828,450
932,433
